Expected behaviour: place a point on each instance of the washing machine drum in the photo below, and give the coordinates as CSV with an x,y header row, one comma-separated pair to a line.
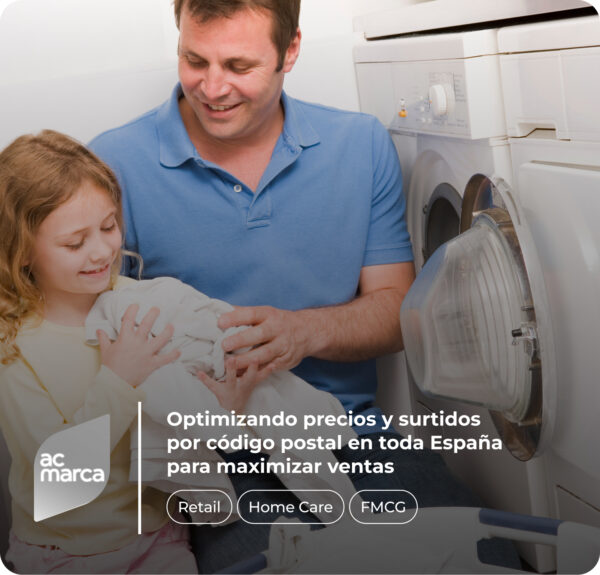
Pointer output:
x,y
469,323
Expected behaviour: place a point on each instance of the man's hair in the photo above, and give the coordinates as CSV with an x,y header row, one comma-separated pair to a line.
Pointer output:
x,y
285,16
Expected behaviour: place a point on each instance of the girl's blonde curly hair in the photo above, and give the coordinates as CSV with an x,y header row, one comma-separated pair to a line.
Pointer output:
x,y
38,173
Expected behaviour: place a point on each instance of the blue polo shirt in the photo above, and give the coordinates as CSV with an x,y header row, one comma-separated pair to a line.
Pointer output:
x,y
329,203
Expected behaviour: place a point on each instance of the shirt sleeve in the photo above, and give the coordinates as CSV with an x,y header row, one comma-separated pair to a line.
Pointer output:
x,y
29,414
388,240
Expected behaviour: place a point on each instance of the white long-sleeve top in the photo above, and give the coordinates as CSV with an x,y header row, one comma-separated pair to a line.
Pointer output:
x,y
58,382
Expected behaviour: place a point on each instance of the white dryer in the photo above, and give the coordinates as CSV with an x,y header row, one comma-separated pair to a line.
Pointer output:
x,y
551,84
505,315
438,151
442,98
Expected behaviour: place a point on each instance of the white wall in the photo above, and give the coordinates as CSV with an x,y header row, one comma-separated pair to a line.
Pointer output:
x,y
83,66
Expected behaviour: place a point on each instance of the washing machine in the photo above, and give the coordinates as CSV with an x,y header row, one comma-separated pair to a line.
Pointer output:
x,y
551,88
504,315
443,100
394,80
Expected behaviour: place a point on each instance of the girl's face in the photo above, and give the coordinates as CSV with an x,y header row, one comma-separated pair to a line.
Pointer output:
x,y
76,245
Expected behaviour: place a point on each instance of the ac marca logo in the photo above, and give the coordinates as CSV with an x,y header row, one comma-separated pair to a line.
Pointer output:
x,y
71,468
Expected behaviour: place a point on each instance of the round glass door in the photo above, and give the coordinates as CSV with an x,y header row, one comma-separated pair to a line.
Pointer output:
x,y
469,322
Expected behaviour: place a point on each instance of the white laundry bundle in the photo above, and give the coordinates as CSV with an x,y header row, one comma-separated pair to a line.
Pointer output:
x,y
176,388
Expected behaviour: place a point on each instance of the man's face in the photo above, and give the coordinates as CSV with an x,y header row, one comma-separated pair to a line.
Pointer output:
x,y
227,69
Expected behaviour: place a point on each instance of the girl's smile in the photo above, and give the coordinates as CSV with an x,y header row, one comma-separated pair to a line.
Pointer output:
x,y
97,272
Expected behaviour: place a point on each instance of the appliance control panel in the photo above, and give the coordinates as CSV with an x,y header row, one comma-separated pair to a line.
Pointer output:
x,y
460,98
435,102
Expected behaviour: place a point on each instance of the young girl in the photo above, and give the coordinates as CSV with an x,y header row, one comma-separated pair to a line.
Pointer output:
x,y
60,246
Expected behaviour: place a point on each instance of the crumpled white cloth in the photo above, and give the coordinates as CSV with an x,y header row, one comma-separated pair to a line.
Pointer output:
x,y
175,388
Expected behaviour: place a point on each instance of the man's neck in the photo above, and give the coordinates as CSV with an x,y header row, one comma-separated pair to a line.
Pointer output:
x,y
244,158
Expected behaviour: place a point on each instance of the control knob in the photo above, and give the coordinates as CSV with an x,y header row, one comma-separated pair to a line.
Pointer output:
x,y
442,99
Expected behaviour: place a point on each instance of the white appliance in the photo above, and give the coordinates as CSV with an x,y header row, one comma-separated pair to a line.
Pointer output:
x,y
444,14
552,88
394,76
442,98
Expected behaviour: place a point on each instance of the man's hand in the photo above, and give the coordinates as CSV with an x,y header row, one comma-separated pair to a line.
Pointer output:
x,y
364,328
279,339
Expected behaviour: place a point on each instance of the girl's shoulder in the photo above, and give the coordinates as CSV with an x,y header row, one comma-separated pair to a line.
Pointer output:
x,y
30,326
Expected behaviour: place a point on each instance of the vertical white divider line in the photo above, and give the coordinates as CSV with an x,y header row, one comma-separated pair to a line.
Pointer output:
x,y
139,478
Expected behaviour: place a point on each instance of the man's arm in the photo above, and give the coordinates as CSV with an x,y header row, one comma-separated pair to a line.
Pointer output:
x,y
366,327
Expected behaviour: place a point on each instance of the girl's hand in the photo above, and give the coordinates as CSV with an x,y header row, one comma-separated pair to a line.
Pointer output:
x,y
135,354
234,391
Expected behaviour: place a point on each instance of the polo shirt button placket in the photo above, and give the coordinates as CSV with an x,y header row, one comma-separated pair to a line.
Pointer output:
x,y
237,188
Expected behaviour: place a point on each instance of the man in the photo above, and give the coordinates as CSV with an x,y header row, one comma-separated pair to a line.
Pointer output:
x,y
292,211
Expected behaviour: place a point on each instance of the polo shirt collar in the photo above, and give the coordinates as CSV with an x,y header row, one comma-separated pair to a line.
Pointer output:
x,y
296,126
176,147
174,143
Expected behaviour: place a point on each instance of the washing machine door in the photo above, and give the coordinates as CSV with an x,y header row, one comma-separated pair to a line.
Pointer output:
x,y
475,323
